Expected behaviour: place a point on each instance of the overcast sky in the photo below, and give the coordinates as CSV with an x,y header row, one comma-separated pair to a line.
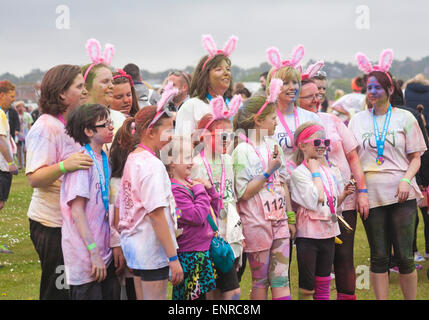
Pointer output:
x,y
162,34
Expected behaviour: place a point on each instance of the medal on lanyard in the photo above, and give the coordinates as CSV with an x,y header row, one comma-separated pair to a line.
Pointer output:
x,y
103,175
210,174
381,140
286,127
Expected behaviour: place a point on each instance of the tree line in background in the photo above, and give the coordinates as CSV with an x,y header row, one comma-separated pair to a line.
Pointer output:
x,y
339,74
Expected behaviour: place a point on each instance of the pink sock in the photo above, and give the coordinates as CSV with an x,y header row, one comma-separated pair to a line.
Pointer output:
x,y
343,296
321,288
289,297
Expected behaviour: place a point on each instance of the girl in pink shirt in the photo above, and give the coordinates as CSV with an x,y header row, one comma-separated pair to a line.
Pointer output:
x,y
147,211
317,189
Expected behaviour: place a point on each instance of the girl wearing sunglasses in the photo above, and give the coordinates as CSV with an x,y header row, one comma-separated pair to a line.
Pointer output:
x,y
342,152
318,190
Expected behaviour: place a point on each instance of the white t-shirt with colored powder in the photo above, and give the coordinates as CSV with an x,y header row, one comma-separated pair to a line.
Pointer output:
x,y
259,233
5,131
145,186
47,144
189,114
314,219
403,137
77,260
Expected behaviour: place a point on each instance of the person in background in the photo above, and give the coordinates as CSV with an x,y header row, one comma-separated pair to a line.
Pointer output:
x,y
244,92
25,122
146,95
263,81
182,81
348,105
417,92
7,97
320,79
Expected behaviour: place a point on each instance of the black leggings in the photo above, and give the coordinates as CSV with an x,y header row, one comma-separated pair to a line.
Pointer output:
x,y
345,276
425,215
391,225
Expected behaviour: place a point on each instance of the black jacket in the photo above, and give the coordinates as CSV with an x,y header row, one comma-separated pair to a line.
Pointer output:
x,y
13,121
418,93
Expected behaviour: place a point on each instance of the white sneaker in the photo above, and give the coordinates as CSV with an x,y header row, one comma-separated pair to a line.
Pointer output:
x,y
418,257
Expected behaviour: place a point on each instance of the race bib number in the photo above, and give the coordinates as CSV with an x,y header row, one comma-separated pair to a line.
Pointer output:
x,y
273,202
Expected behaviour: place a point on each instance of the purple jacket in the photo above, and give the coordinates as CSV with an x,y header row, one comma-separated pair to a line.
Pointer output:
x,y
192,216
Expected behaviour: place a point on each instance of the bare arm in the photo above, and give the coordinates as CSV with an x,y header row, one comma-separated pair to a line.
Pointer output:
x,y
413,168
362,201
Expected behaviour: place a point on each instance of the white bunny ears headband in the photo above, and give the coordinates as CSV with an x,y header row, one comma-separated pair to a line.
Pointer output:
x,y
212,49
276,61
275,88
311,70
169,92
221,110
384,64
94,50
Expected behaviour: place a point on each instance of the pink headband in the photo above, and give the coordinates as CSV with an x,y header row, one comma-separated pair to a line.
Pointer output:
x,y
384,64
275,88
311,70
222,111
122,74
169,92
276,61
211,48
94,50
308,132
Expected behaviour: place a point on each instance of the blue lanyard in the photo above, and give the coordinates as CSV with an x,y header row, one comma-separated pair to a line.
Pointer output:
x,y
381,140
104,179
209,97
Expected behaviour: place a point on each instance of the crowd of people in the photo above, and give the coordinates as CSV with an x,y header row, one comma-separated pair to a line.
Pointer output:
x,y
192,183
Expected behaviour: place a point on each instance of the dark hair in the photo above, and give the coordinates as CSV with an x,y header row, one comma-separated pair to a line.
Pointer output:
x,y
135,104
264,74
83,118
382,79
134,71
118,156
244,91
6,86
200,79
397,97
245,117
55,82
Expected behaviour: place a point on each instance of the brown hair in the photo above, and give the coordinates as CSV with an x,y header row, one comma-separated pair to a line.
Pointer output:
x,y
55,82
200,79
135,104
6,86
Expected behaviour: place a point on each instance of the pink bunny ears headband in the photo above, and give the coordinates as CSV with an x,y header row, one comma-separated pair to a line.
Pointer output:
x,y
94,50
384,64
169,92
311,70
212,49
123,74
275,88
221,110
276,61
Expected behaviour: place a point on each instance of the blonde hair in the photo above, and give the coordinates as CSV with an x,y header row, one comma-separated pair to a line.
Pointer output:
x,y
285,74
245,117
298,155
175,153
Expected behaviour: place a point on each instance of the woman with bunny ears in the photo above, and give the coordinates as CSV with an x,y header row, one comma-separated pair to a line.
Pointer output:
x,y
147,211
289,115
98,79
213,163
212,77
341,153
390,145
263,197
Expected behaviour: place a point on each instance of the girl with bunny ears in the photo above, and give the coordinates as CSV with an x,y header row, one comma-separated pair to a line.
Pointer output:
x,y
147,211
212,77
99,79
390,144
289,115
213,163
342,153
263,196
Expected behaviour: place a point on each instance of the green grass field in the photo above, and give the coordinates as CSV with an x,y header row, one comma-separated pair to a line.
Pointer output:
x,y
20,271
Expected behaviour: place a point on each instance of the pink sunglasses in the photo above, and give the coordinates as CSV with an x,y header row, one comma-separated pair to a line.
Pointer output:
x,y
318,142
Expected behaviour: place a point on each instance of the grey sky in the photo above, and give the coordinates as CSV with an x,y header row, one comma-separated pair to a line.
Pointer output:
x,y
167,33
